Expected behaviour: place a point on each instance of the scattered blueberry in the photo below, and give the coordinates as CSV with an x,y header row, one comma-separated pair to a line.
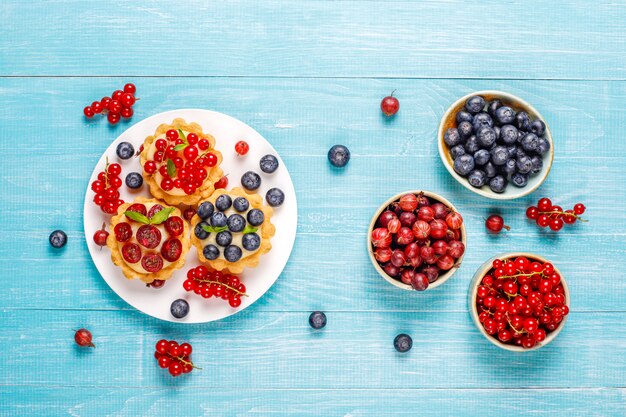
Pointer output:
x,y
223,202
505,115
268,164
236,223
134,180
241,204
538,127
205,210
224,238
251,241
481,156
486,137
232,253
317,320
218,219
497,184
499,155
475,104
477,178
251,181
522,121
211,252
275,197
472,145
465,128
482,120
339,156
255,217
200,232
464,116
403,343
464,164
179,308
520,180
508,134
457,151
452,137
125,150
58,239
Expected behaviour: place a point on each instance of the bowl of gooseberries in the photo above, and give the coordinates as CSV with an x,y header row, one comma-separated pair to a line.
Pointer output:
x,y
416,240
519,301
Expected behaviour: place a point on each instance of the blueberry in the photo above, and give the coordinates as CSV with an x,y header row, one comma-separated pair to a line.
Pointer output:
x,y
482,120
512,151
223,202
403,343
232,253
477,178
251,241
538,127
522,121
498,131
457,151
125,150
211,252
475,104
508,134
509,167
497,184
471,144
200,232
236,223
268,164
205,210
251,181
524,164
134,180
58,239
520,152
256,217
543,146
493,106
339,156
179,308
465,129
486,137
241,204
529,143
520,135
317,320
519,179
464,164
464,116
505,115
481,157
224,238
275,197
490,170
452,137
499,155
537,164
218,219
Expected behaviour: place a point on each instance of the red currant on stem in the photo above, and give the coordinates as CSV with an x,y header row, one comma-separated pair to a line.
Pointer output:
x,y
130,88
88,112
390,105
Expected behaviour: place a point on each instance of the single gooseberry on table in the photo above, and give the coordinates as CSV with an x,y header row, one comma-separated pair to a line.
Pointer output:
x,y
83,338
495,224
390,105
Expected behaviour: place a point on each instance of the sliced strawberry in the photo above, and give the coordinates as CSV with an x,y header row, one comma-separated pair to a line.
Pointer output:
x,y
172,249
152,262
174,226
123,232
148,236
154,210
131,253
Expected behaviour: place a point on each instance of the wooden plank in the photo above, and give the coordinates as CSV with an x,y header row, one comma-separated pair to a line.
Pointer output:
x,y
432,39
257,349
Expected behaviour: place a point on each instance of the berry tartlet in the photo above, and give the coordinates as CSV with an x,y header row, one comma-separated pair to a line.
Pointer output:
x,y
148,240
180,163
232,230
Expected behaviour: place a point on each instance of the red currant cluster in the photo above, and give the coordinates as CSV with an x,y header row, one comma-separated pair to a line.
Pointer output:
x,y
181,161
545,214
106,188
119,105
520,301
174,357
215,284
417,239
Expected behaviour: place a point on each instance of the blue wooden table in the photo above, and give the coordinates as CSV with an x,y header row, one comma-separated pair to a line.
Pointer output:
x,y
308,75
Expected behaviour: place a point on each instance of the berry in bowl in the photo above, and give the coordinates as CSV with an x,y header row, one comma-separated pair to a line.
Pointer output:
x,y
519,301
416,240
495,144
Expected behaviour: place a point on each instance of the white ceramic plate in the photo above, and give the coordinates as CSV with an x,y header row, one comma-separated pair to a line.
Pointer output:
x,y
227,131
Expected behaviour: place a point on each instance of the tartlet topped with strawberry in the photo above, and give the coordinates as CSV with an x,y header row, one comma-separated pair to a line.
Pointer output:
x,y
148,240
180,163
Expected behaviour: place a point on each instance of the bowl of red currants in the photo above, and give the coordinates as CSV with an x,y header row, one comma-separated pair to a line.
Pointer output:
x,y
416,240
519,301
495,144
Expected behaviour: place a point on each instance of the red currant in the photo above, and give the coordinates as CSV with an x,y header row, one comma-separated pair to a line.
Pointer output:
x,y
532,212
192,138
113,118
126,112
175,368
114,169
117,94
190,152
105,102
127,100
242,147
543,220
569,217
130,88
167,184
171,135
88,112
115,106
150,167
579,209
544,204
556,224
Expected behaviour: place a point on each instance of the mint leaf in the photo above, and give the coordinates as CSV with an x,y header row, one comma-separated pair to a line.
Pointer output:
x,y
250,229
171,168
138,217
181,135
162,215
180,147
212,229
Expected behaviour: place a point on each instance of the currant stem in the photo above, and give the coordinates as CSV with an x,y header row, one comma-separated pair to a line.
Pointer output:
x,y
209,281
180,358
548,213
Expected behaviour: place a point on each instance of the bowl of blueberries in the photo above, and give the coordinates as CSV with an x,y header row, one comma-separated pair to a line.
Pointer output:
x,y
495,144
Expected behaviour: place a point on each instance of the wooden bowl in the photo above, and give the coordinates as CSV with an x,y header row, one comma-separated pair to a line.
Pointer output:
x,y
511,192
478,276
442,278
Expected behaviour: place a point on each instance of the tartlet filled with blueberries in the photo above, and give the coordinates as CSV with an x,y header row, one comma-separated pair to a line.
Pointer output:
x,y
232,230
495,144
